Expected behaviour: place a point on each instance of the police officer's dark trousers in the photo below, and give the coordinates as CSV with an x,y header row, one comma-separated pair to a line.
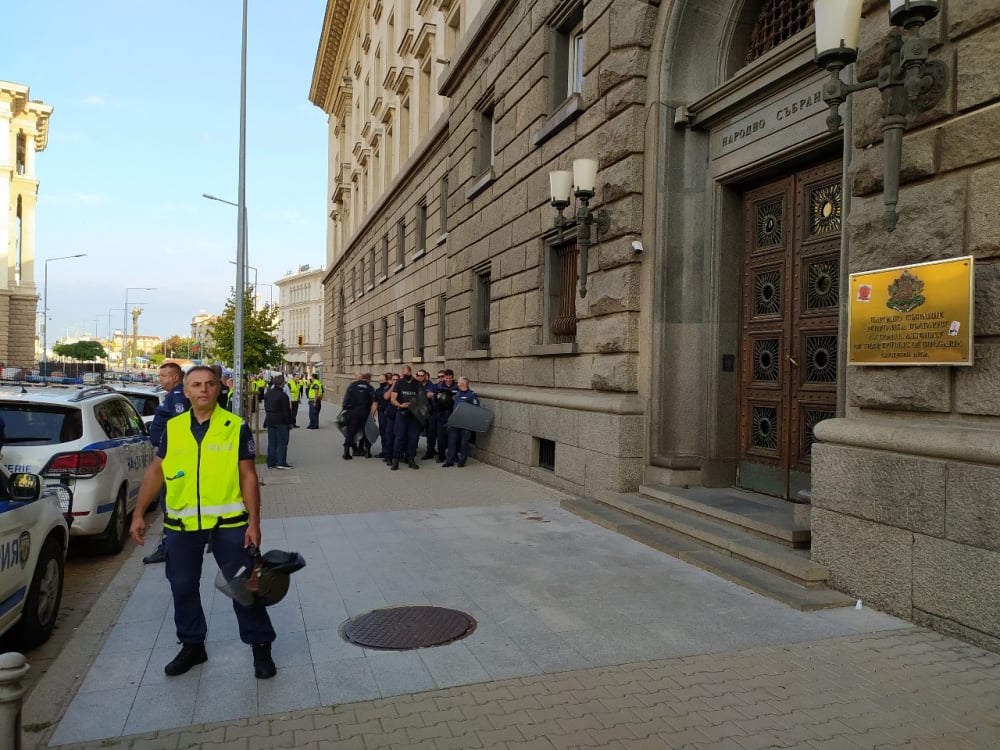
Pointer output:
x,y
356,419
185,552
314,406
389,445
383,433
407,435
458,441
442,431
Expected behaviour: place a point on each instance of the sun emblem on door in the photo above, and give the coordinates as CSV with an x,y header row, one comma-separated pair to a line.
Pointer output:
x,y
906,293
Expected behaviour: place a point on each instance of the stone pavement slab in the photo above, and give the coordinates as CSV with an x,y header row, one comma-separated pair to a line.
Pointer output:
x,y
584,639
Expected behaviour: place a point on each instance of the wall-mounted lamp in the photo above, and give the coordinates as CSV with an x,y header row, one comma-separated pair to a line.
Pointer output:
x,y
584,177
909,83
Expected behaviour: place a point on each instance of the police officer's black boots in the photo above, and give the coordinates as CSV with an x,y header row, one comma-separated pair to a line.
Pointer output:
x,y
347,453
395,464
411,463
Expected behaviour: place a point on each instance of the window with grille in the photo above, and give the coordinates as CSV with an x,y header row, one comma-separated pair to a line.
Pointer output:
x,y
419,319
481,309
778,21
546,454
560,283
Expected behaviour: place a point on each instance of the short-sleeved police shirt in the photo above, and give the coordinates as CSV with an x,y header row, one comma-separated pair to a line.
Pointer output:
x,y
200,429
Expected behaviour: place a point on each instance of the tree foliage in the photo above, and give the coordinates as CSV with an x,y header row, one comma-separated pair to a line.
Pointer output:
x,y
180,346
261,348
82,351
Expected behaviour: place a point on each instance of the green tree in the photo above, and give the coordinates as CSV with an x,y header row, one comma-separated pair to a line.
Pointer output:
x,y
261,348
179,347
82,351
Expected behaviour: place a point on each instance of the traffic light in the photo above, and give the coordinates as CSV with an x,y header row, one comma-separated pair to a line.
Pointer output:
x,y
301,339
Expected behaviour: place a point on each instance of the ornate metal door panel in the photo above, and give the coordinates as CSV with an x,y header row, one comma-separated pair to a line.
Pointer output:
x,y
789,307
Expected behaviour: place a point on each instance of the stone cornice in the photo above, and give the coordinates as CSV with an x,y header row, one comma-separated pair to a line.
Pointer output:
x,y
329,52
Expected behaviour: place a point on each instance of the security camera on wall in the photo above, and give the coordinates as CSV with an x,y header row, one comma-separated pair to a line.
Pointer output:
x,y
637,247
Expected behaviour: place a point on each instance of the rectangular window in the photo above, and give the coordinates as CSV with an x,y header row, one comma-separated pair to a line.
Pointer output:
x,y
443,206
481,310
565,52
546,454
419,319
401,244
399,336
371,342
384,344
421,227
359,272
485,147
442,313
560,288
385,256
371,269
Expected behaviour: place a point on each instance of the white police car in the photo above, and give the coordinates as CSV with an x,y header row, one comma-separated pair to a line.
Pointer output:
x,y
145,400
89,439
33,541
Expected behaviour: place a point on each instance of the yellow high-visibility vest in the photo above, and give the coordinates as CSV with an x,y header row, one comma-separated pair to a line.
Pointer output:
x,y
203,481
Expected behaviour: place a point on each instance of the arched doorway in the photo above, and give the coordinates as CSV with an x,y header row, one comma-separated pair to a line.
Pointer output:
x,y
742,133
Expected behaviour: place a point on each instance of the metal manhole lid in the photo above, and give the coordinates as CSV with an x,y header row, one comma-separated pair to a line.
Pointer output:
x,y
402,628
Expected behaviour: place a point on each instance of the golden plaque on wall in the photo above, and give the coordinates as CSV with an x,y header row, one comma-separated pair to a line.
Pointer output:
x,y
912,315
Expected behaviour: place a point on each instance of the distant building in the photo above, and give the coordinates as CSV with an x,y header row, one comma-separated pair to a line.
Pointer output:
x,y
201,333
300,303
24,131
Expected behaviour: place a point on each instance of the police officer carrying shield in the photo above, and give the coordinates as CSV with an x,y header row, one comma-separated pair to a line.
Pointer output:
x,y
458,437
404,396
357,404
444,400
207,460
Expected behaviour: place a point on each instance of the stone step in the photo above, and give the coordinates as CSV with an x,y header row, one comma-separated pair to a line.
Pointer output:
x,y
715,532
768,516
718,561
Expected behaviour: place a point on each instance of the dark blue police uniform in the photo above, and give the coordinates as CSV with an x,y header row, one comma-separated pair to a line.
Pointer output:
x,y
458,438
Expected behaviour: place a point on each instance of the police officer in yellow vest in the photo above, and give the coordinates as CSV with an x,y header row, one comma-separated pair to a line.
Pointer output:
x,y
206,458
295,388
314,394
257,387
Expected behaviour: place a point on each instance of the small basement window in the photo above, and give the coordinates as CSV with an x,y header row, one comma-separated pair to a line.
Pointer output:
x,y
546,454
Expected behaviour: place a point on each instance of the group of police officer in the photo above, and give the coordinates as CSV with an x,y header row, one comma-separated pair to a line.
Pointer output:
x,y
405,406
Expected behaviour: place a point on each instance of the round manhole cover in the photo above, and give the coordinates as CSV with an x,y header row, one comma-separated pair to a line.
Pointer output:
x,y
401,628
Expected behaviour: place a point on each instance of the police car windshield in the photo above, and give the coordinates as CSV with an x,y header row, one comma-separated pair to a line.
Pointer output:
x,y
37,423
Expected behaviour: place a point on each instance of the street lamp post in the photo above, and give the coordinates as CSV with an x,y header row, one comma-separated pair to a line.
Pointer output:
x,y
45,310
125,320
251,268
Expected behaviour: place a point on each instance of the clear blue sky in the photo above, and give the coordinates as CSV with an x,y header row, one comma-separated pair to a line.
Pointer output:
x,y
146,97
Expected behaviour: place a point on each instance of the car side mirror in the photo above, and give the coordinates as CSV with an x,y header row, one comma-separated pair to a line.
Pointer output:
x,y
25,487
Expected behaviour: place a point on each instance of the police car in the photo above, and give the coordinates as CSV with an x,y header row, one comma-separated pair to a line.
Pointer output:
x,y
90,439
33,540
145,400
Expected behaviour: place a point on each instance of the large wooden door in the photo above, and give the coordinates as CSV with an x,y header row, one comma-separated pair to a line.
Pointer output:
x,y
789,311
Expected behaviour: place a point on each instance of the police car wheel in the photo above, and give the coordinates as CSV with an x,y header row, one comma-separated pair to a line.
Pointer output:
x,y
114,537
41,607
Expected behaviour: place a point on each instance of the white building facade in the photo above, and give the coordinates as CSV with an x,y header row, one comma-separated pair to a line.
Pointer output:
x,y
300,305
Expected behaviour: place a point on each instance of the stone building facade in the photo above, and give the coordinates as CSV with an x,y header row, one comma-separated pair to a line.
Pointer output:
x,y
708,348
24,131
300,303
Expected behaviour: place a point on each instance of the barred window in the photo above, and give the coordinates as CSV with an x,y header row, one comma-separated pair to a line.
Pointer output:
x,y
779,20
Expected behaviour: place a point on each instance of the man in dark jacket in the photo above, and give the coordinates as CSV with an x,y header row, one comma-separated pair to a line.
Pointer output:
x,y
278,421
357,405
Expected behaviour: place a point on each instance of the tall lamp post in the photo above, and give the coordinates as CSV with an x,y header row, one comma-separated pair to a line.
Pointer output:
x,y
239,324
249,268
45,310
125,320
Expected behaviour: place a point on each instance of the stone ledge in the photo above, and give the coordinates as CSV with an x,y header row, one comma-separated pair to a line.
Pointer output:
x,y
622,403
915,437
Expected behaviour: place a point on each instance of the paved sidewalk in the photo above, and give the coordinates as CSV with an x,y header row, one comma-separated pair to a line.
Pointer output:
x,y
583,639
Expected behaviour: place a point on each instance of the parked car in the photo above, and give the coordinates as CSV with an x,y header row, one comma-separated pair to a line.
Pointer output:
x,y
145,400
33,542
90,439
